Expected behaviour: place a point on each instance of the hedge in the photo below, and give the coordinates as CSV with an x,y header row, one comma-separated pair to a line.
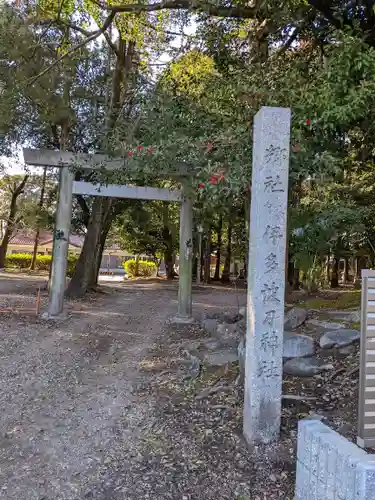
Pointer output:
x,y
142,268
43,262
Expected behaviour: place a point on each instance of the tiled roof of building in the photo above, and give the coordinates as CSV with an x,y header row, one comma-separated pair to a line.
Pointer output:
x,y
45,237
26,237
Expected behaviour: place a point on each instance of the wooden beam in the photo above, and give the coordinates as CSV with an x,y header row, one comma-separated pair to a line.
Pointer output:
x,y
133,192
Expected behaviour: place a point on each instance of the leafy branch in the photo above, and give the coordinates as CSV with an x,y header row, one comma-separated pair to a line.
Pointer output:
x,y
88,39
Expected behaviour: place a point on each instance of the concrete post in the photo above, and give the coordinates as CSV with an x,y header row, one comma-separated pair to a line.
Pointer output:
x,y
61,244
186,263
266,275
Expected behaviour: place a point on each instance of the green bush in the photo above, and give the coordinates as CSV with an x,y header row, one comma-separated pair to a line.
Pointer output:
x,y
142,268
43,262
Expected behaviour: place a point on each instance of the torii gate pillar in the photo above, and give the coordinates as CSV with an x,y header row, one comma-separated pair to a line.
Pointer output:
x,y
61,244
186,263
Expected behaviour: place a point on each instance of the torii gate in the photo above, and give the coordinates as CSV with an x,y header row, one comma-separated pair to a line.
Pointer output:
x,y
68,187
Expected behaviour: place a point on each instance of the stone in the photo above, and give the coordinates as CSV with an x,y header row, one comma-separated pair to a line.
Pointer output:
x,y
295,318
226,329
210,325
242,311
232,317
347,350
296,345
306,367
212,343
339,338
221,357
350,316
266,275
325,325
192,366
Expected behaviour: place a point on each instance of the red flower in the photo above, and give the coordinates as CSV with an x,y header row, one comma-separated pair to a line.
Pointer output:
x,y
201,186
130,154
149,149
222,178
140,147
307,122
209,147
214,179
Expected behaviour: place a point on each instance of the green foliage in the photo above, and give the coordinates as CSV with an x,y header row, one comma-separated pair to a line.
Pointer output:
x,y
43,262
143,268
149,228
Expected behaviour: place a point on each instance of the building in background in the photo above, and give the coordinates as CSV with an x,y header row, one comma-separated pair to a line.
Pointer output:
x,y
23,242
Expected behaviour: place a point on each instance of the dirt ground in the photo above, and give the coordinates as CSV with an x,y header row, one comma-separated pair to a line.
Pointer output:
x,y
108,405
101,406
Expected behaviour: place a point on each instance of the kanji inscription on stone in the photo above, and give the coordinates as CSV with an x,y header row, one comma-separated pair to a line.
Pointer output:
x,y
271,262
269,317
266,275
273,233
267,369
270,341
273,184
269,293
275,154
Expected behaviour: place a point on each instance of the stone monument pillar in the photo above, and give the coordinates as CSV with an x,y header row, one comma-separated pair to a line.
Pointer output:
x,y
266,275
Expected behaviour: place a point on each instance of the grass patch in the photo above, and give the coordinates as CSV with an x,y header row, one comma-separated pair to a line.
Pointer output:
x,y
344,300
355,325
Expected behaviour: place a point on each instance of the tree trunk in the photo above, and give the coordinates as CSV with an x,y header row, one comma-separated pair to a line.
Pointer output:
x,y
168,244
225,277
86,268
207,257
328,269
346,270
335,273
4,245
290,272
37,232
360,263
11,221
99,254
86,271
296,282
218,252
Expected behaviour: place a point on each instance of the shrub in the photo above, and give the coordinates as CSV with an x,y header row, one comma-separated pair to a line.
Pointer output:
x,y
43,262
142,268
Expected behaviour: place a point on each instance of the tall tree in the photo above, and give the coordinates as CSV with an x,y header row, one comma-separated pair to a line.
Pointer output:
x,y
11,188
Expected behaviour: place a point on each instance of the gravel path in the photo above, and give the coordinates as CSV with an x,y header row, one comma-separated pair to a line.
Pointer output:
x,y
97,407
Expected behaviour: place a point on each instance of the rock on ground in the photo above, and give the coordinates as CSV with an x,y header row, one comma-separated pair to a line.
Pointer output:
x,y
296,345
347,350
221,357
226,330
210,325
306,367
325,325
339,338
295,318
351,316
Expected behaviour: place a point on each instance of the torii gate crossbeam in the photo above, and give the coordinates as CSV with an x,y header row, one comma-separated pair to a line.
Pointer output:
x,y
67,187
